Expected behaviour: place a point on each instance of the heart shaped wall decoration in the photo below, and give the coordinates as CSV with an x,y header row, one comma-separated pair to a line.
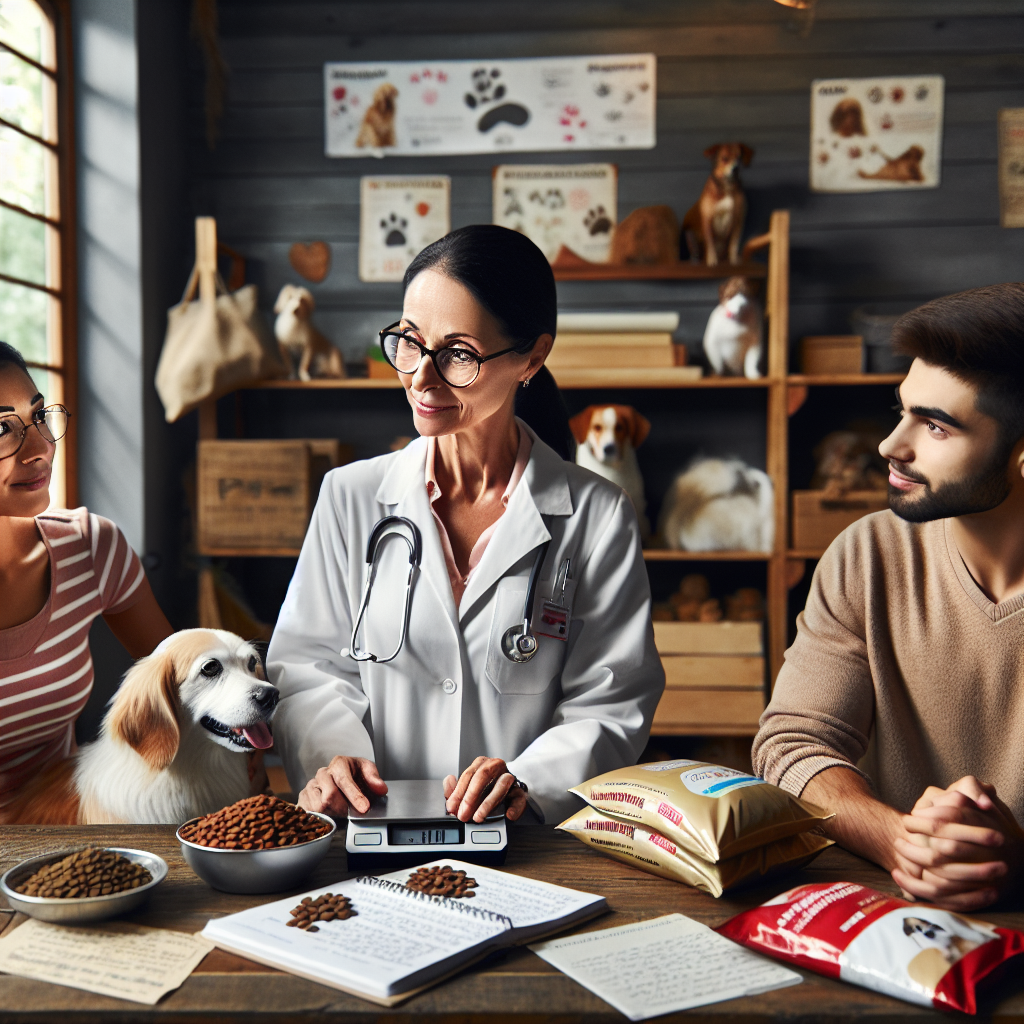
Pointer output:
x,y
423,209
312,260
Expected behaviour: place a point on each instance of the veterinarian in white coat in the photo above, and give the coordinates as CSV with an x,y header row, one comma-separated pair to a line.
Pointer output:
x,y
451,705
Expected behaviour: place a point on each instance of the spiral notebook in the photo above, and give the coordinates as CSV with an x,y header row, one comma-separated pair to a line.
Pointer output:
x,y
401,941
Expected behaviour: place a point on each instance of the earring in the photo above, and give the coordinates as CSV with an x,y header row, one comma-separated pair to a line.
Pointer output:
x,y
526,383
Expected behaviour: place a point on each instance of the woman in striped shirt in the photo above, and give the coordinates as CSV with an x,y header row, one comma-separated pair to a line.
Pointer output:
x,y
59,569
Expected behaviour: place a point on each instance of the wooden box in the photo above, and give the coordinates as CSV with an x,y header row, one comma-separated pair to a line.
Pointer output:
x,y
377,369
837,353
818,520
708,713
708,637
257,496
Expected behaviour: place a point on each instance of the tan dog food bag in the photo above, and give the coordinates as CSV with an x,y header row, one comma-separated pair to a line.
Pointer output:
x,y
651,851
712,811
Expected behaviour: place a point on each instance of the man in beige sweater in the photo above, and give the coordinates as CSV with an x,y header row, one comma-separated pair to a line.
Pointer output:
x,y
900,706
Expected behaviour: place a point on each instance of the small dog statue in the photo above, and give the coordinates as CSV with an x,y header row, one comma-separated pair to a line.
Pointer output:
x,y
378,127
734,335
713,226
720,505
607,437
305,351
649,235
848,460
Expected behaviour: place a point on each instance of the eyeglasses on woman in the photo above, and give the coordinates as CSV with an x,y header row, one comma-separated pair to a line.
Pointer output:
x,y
51,422
457,367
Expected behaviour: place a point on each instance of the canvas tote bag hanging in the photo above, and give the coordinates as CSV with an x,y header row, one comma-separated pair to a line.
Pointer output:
x,y
213,345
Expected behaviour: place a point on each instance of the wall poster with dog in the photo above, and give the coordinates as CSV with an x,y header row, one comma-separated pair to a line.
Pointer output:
x,y
411,108
869,134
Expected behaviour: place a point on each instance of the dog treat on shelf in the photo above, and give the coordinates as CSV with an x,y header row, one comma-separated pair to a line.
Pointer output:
x,y
89,872
746,605
442,881
327,907
256,823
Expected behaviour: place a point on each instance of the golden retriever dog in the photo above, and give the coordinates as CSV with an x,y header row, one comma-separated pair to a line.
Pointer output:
x,y
378,127
905,167
305,351
172,743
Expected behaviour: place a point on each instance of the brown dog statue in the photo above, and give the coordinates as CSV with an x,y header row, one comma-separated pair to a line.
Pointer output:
x,y
713,226
647,235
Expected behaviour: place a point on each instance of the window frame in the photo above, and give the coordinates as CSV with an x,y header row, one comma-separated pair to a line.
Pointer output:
x,y
62,337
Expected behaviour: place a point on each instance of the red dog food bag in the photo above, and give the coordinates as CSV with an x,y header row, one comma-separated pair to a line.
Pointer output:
x,y
908,950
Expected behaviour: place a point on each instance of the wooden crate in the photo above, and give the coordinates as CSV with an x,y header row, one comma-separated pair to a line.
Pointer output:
x,y
258,495
708,637
834,353
818,520
713,671
708,713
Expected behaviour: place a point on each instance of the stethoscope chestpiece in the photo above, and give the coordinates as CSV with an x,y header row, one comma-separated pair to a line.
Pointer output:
x,y
518,644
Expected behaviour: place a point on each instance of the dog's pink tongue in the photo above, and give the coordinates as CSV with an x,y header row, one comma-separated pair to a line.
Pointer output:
x,y
258,735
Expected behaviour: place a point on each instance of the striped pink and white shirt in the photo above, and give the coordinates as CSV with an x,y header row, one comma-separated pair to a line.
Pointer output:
x,y
45,665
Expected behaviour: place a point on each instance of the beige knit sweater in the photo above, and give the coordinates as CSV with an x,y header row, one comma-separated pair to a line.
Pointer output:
x,y
899,646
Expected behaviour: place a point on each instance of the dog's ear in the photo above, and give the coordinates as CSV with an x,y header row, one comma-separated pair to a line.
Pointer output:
x,y
306,303
144,711
580,424
640,428
282,298
712,151
746,155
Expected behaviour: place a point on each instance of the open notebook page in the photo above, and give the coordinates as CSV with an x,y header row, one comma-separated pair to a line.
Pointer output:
x,y
396,941
533,907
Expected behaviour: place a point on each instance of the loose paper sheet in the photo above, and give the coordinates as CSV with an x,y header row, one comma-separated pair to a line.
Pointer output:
x,y
1011,167
398,217
119,959
413,108
661,966
559,204
869,134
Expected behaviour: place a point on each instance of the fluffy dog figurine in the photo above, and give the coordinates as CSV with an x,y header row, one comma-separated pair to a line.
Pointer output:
x,y
607,437
378,127
734,335
172,741
305,351
848,460
720,505
713,226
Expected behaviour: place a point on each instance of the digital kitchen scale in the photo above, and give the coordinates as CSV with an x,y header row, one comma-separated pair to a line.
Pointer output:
x,y
410,825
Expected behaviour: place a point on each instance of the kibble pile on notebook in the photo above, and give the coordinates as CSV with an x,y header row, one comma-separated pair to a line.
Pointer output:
x,y
400,941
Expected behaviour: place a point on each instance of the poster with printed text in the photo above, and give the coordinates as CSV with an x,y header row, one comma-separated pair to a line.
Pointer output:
x,y
398,216
1011,167
555,205
410,108
870,134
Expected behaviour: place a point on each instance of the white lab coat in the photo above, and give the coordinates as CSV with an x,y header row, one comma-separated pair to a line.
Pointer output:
x,y
578,708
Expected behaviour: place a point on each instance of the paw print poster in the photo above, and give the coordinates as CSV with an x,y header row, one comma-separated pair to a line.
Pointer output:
x,y
409,108
556,205
869,134
399,216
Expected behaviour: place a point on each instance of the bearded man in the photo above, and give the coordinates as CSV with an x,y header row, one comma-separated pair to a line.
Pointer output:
x,y
900,706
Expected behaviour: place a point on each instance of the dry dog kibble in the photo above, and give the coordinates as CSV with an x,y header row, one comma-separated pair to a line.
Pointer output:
x,y
327,907
90,872
256,823
442,881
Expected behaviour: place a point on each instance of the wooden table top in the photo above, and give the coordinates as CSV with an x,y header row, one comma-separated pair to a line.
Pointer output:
x,y
515,984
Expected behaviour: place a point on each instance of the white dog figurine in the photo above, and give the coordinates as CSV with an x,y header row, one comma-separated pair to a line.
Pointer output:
x,y
607,437
305,351
172,741
733,338
720,505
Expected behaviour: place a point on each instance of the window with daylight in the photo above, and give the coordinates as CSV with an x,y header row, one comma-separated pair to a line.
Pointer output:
x,y
36,243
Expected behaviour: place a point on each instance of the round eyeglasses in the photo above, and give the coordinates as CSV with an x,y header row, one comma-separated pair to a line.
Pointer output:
x,y
51,422
457,367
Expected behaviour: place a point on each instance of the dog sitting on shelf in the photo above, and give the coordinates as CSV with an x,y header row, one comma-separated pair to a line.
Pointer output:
x,y
713,226
734,336
607,437
305,351
172,741
719,505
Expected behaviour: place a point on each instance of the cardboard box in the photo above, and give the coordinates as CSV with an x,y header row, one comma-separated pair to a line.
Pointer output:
x,y
837,353
709,637
818,520
258,495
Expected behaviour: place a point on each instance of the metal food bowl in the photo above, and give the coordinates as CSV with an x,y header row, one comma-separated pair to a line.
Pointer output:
x,y
84,909
256,871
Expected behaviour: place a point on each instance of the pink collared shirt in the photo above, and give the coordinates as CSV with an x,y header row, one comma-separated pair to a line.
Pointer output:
x,y
458,581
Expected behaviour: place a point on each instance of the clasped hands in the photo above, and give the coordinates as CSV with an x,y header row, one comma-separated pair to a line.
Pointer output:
x,y
959,847
347,781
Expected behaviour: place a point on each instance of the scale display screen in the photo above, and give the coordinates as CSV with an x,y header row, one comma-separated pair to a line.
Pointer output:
x,y
427,833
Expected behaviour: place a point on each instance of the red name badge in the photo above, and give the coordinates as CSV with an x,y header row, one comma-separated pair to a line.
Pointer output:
x,y
553,621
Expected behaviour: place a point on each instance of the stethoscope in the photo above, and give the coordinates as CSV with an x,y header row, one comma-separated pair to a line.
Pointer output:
x,y
518,643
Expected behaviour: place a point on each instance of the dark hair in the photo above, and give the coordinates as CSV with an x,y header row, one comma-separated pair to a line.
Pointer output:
x,y
9,354
542,408
978,336
507,274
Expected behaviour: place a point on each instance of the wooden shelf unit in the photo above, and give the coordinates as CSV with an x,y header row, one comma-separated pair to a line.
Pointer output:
x,y
681,271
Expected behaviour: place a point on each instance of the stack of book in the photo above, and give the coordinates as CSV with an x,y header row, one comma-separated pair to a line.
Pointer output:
x,y
618,347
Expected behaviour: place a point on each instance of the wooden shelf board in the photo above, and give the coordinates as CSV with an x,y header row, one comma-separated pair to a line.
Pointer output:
x,y
668,377
845,378
664,555
371,383
682,271
249,552
804,554
704,730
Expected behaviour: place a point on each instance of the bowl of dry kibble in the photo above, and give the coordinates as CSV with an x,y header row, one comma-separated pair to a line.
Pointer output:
x,y
260,844
76,886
